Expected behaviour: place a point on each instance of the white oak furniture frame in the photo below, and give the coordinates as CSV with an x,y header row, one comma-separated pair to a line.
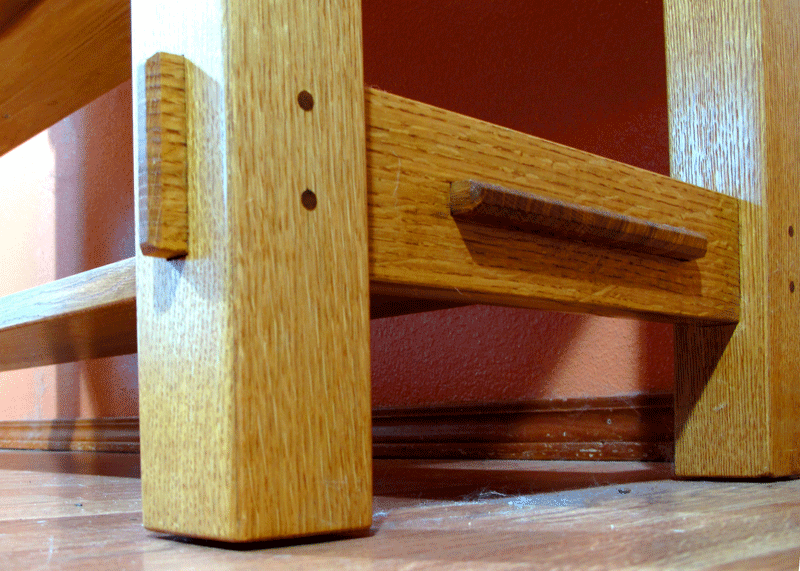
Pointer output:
x,y
253,347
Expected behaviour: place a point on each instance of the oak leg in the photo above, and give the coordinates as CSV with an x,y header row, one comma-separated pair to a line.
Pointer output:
x,y
734,97
254,348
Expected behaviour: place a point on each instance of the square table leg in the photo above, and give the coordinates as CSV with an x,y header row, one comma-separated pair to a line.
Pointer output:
x,y
254,347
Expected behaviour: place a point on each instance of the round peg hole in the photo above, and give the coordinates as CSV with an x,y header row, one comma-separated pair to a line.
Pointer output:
x,y
791,287
305,100
791,231
309,199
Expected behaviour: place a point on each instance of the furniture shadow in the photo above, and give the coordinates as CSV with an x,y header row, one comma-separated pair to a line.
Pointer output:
x,y
699,349
458,480
553,260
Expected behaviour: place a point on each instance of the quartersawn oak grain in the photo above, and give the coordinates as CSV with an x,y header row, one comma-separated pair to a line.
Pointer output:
x,y
91,314
415,151
494,205
163,217
455,263
734,105
258,339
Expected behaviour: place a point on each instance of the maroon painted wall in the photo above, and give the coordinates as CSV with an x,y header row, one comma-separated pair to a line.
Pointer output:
x,y
587,73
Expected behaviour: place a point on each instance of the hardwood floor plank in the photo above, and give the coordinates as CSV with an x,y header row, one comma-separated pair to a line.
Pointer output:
x,y
432,515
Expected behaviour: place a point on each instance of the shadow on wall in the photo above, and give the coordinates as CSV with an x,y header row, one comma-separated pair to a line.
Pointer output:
x,y
495,354
586,74
590,75
94,226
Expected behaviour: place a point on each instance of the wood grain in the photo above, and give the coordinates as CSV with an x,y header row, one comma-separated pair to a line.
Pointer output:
x,y
259,338
494,205
429,515
422,259
118,464
734,109
12,10
616,428
92,314
58,56
613,428
163,216
417,249
81,434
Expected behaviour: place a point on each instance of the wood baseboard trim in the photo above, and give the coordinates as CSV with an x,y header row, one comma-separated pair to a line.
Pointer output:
x,y
90,435
616,428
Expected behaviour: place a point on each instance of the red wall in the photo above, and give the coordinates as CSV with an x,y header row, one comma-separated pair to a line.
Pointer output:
x,y
586,73
589,74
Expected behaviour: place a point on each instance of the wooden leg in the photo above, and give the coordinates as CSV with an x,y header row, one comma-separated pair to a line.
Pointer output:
x,y
734,97
254,348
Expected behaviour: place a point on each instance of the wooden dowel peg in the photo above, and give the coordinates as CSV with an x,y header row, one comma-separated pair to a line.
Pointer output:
x,y
493,205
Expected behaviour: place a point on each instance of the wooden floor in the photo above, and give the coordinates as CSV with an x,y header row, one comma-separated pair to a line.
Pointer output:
x,y
57,513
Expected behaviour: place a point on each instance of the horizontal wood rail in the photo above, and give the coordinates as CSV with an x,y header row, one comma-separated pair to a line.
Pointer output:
x,y
415,151
418,251
88,315
493,205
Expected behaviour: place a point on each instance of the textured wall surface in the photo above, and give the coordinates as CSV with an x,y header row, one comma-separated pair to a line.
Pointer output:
x,y
586,73
69,209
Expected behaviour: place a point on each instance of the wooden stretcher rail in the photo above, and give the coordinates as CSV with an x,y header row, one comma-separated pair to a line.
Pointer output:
x,y
91,314
415,151
422,247
419,251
